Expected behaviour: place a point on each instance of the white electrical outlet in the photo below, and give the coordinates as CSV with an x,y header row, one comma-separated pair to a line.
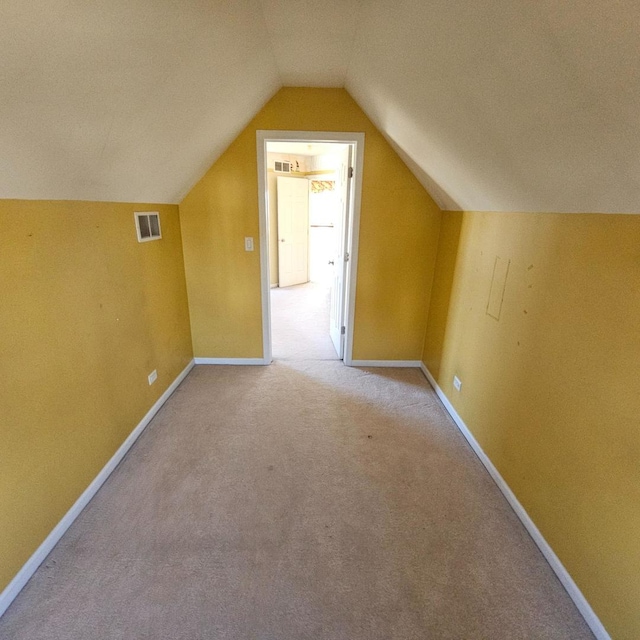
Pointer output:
x,y
248,244
153,376
457,383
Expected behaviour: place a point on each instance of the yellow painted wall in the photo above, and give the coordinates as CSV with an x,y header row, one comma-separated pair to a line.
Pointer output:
x,y
86,314
399,228
551,390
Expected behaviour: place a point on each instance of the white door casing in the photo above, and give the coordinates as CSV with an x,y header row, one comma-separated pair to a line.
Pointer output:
x,y
293,231
351,234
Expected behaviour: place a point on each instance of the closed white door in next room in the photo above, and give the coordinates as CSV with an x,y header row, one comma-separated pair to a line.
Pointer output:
x,y
293,231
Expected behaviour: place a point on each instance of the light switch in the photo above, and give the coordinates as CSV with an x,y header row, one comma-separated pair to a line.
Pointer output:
x,y
248,244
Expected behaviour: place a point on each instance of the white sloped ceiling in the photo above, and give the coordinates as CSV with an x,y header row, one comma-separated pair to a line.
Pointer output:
x,y
313,41
125,100
501,105
508,106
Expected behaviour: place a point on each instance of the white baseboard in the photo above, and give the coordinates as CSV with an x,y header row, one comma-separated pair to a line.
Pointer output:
x,y
29,568
384,363
563,575
235,361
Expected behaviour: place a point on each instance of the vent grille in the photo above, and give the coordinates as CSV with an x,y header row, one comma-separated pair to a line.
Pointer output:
x,y
283,167
148,226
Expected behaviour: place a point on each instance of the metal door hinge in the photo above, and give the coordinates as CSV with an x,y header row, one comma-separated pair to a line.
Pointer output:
x,y
346,256
342,330
351,172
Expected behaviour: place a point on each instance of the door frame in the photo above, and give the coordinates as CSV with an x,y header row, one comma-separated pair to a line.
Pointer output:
x,y
353,227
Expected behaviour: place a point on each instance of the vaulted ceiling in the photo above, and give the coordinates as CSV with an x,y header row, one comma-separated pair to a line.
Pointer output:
x,y
500,105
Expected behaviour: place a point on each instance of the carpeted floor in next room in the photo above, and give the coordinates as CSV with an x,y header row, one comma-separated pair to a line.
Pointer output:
x,y
303,500
300,323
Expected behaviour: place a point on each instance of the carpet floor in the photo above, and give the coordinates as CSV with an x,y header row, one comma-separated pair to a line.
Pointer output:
x,y
300,323
301,500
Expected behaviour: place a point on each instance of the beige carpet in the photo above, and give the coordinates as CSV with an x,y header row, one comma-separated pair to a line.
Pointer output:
x,y
300,323
300,500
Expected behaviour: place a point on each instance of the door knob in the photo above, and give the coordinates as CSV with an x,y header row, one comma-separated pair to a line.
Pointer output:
x,y
281,239
330,261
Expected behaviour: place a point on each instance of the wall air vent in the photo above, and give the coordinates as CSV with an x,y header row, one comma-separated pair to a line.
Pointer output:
x,y
283,167
148,226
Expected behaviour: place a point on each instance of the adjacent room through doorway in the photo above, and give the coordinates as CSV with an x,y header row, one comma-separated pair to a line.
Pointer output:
x,y
308,201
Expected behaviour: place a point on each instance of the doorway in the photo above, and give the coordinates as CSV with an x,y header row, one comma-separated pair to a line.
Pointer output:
x,y
309,199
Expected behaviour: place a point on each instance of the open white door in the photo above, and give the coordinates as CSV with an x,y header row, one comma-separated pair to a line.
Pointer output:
x,y
293,231
340,258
